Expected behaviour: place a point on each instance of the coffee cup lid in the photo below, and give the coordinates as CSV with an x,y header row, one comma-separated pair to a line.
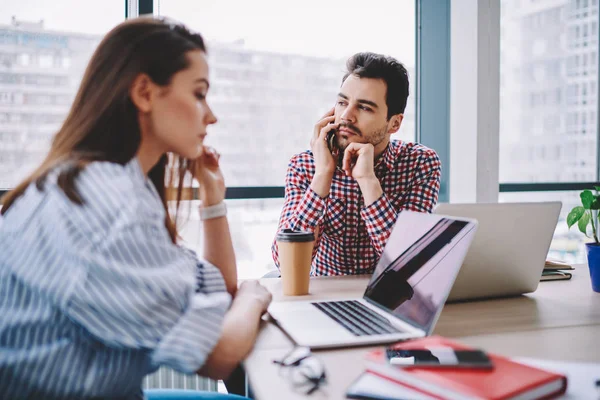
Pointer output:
x,y
288,235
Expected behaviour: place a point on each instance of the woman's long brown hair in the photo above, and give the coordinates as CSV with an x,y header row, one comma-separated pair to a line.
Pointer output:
x,y
102,124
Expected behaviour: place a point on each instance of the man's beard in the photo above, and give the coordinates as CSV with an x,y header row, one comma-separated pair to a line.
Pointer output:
x,y
375,137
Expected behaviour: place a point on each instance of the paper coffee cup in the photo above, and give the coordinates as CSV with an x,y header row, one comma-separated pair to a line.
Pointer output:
x,y
295,256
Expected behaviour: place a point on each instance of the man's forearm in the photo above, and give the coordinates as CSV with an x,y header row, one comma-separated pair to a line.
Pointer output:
x,y
371,190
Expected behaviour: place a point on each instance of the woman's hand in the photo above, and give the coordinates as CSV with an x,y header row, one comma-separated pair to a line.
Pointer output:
x,y
207,172
252,291
239,332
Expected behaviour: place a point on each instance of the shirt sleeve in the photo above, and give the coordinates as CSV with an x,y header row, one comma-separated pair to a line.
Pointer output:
x,y
208,277
303,209
421,196
424,189
142,292
380,217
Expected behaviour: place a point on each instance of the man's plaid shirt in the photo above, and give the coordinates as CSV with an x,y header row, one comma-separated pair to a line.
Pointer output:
x,y
351,237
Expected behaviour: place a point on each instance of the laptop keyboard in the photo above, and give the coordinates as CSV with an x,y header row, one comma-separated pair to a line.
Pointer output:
x,y
356,318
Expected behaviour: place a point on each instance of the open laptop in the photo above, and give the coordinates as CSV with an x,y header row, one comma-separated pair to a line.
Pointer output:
x,y
404,297
509,251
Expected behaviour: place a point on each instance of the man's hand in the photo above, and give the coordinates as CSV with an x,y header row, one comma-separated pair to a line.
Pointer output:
x,y
207,172
359,163
324,160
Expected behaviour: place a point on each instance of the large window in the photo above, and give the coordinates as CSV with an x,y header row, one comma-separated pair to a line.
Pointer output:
x,y
43,52
276,67
548,91
548,105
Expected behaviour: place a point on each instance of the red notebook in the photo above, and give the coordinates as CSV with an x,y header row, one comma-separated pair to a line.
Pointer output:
x,y
508,379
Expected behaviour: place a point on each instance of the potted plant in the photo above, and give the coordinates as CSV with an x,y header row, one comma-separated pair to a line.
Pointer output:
x,y
584,216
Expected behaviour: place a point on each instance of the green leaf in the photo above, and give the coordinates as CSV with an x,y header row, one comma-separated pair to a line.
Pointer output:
x,y
595,204
597,188
587,197
574,216
583,223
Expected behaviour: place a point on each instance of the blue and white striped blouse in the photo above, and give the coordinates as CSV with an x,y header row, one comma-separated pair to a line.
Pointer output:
x,y
95,297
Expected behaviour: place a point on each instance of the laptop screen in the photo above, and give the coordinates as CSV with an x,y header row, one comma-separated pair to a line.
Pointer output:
x,y
418,267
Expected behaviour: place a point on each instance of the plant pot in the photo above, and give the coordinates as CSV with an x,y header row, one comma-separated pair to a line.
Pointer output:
x,y
593,255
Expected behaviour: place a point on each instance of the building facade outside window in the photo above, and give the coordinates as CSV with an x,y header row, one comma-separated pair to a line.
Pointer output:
x,y
548,103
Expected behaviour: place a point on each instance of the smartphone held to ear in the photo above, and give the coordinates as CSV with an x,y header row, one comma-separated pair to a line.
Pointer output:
x,y
331,141
439,357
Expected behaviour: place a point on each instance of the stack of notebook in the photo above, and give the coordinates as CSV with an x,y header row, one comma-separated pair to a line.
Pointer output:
x,y
554,270
507,380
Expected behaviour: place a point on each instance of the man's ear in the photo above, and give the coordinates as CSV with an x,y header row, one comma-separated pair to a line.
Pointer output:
x,y
394,123
142,92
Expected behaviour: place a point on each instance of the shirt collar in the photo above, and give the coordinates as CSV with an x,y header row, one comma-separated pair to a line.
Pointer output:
x,y
134,169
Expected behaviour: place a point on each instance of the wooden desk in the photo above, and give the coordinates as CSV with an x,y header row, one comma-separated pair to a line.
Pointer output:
x,y
560,321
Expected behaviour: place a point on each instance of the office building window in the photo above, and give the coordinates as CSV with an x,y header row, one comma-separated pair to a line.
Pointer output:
x,y
48,50
6,98
65,62
523,100
45,60
23,59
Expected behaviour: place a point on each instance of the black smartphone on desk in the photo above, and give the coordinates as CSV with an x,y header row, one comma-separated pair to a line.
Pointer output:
x,y
438,358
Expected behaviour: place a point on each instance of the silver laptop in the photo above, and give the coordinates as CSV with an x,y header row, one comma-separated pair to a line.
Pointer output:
x,y
509,251
404,297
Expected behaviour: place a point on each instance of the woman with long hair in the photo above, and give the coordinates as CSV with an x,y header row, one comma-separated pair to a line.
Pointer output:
x,y
95,292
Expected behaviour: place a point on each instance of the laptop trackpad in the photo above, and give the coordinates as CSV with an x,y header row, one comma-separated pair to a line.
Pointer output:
x,y
306,320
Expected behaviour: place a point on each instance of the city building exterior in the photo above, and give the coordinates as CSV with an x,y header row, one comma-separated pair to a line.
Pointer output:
x,y
548,90
40,71
267,103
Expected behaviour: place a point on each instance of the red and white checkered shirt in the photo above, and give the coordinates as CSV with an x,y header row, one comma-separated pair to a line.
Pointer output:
x,y
351,237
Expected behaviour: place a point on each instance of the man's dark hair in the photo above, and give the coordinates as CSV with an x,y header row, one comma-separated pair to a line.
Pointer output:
x,y
390,70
